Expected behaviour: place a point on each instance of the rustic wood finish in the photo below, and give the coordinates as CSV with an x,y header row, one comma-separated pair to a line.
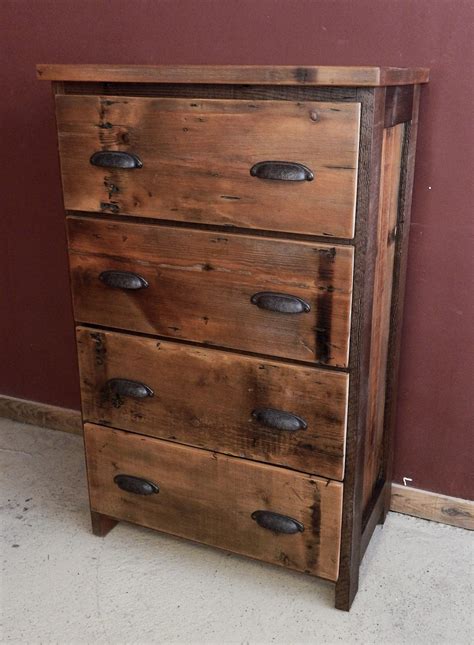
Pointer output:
x,y
102,524
207,91
433,506
40,414
403,499
222,390
398,291
206,236
398,105
191,502
201,283
359,522
236,74
386,236
192,171
373,109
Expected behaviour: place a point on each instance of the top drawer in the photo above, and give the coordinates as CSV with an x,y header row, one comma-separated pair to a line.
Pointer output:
x,y
195,159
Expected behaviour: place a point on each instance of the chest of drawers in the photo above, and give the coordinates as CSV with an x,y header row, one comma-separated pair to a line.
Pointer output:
x,y
237,244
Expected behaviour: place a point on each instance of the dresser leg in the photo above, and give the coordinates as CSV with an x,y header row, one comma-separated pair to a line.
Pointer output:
x,y
383,516
387,493
346,589
102,524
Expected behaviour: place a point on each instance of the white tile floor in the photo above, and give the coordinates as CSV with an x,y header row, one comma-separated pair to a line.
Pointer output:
x,y
60,584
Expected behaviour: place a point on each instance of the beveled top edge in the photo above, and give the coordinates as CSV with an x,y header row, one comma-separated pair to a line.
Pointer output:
x,y
237,74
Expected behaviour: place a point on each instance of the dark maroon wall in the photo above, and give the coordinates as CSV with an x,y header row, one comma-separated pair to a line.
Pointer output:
x,y
435,423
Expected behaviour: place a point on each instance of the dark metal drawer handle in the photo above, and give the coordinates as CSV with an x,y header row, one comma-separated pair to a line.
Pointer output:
x,y
277,523
124,387
280,302
123,280
115,159
282,171
279,419
136,485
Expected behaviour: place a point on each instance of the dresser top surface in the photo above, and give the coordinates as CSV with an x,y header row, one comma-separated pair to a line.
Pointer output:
x,y
237,74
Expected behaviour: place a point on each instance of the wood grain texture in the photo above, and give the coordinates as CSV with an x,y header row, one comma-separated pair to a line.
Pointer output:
x,y
40,414
398,290
374,518
236,74
186,273
205,398
101,524
404,499
372,119
432,506
201,283
398,105
386,236
197,155
208,91
208,497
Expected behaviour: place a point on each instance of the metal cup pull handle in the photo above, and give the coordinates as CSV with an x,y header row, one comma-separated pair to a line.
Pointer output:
x,y
116,159
136,485
277,523
125,387
280,302
123,280
282,171
279,419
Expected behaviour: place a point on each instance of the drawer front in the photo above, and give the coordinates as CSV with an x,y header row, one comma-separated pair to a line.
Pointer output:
x,y
265,410
211,498
213,288
193,161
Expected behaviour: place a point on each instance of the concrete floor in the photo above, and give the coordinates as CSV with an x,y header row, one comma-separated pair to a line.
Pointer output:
x,y
60,584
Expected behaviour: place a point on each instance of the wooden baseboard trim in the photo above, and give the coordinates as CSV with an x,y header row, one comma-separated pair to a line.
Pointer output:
x,y
432,506
410,501
41,414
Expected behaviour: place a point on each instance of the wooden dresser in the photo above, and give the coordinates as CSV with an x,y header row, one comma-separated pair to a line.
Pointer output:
x,y
237,245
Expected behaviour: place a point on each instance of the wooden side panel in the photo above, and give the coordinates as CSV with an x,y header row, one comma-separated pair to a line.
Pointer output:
x,y
197,155
191,502
372,119
201,284
387,231
205,398
396,314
